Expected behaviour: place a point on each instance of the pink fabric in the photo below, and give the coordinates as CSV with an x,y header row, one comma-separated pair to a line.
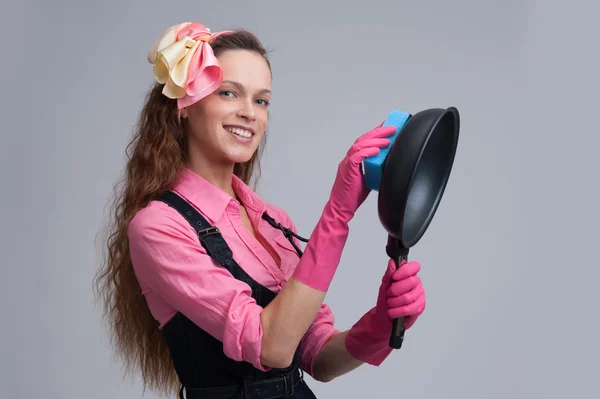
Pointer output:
x,y
176,274
205,74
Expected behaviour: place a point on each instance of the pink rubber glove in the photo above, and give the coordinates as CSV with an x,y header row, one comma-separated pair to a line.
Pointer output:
x,y
401,293
324,250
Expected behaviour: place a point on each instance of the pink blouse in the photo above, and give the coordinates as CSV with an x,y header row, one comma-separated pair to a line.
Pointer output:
x,y
177,275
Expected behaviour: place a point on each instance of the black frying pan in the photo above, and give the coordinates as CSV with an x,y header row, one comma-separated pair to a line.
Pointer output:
x,y
414,177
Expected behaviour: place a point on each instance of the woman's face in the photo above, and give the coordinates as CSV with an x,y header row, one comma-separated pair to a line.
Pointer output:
x,y
227,126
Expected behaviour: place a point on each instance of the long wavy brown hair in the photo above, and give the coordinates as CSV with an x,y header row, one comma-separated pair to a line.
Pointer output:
x,y
155,156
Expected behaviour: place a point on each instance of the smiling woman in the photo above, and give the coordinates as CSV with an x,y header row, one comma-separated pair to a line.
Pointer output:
x,y
204,285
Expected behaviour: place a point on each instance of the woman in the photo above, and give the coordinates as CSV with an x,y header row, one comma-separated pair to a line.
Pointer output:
x,y
205,284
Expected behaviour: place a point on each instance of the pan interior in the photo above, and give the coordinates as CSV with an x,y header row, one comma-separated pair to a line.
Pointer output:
x,y
429,179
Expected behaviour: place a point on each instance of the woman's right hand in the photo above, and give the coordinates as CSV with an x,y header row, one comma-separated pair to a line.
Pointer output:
x,y
349,190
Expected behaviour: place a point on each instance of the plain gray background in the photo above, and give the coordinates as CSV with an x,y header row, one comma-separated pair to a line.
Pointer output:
x,y
509,263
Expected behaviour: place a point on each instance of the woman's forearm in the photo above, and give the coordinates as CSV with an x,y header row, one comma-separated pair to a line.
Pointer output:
x,y
285,321
287,318
334,360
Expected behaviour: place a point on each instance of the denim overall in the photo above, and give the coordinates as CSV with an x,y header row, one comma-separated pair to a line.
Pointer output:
x,y
201,366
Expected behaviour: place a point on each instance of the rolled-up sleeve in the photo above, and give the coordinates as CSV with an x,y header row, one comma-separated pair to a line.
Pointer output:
x,y
168,258
315,338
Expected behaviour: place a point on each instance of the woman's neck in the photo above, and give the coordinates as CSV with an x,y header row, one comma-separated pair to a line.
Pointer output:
x,y
219,175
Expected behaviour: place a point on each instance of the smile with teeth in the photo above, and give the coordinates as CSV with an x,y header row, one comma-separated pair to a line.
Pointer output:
x,y
240,132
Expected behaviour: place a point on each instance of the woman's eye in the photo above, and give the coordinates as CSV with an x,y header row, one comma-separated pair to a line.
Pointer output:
x,y
231,94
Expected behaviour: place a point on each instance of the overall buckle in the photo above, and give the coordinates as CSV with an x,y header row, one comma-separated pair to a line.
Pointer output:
x,y
208,231
288,381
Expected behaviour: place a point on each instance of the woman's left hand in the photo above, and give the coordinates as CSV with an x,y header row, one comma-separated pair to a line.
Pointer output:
x,y
401,294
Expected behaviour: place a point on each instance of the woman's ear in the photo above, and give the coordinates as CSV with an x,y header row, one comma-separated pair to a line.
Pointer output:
x,y
183,113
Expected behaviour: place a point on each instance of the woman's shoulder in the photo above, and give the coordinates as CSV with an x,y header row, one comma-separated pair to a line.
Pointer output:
x,y
155,217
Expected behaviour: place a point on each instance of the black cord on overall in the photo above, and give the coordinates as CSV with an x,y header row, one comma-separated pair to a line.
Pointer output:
x,y
289,234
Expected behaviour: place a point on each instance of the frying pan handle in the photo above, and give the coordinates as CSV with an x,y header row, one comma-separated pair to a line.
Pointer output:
x,y
397,336
400,254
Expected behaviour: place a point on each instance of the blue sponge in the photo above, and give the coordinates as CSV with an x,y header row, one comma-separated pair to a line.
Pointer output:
x,y
373,166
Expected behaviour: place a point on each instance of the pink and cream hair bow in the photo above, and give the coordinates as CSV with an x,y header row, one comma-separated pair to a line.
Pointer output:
x,y
183,60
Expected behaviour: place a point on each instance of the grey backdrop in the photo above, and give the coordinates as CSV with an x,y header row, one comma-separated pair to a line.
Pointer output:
x,y
509,262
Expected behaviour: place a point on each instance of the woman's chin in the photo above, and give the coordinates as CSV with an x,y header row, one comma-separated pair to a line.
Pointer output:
x,y
240,157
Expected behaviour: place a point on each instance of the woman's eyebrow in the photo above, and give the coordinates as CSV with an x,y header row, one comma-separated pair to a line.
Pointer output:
x,y
241,87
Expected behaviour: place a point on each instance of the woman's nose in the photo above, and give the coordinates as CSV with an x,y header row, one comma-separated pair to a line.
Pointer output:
x,y
247,110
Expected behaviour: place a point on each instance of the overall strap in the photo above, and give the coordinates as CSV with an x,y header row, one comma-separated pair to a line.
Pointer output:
x,y
210,237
